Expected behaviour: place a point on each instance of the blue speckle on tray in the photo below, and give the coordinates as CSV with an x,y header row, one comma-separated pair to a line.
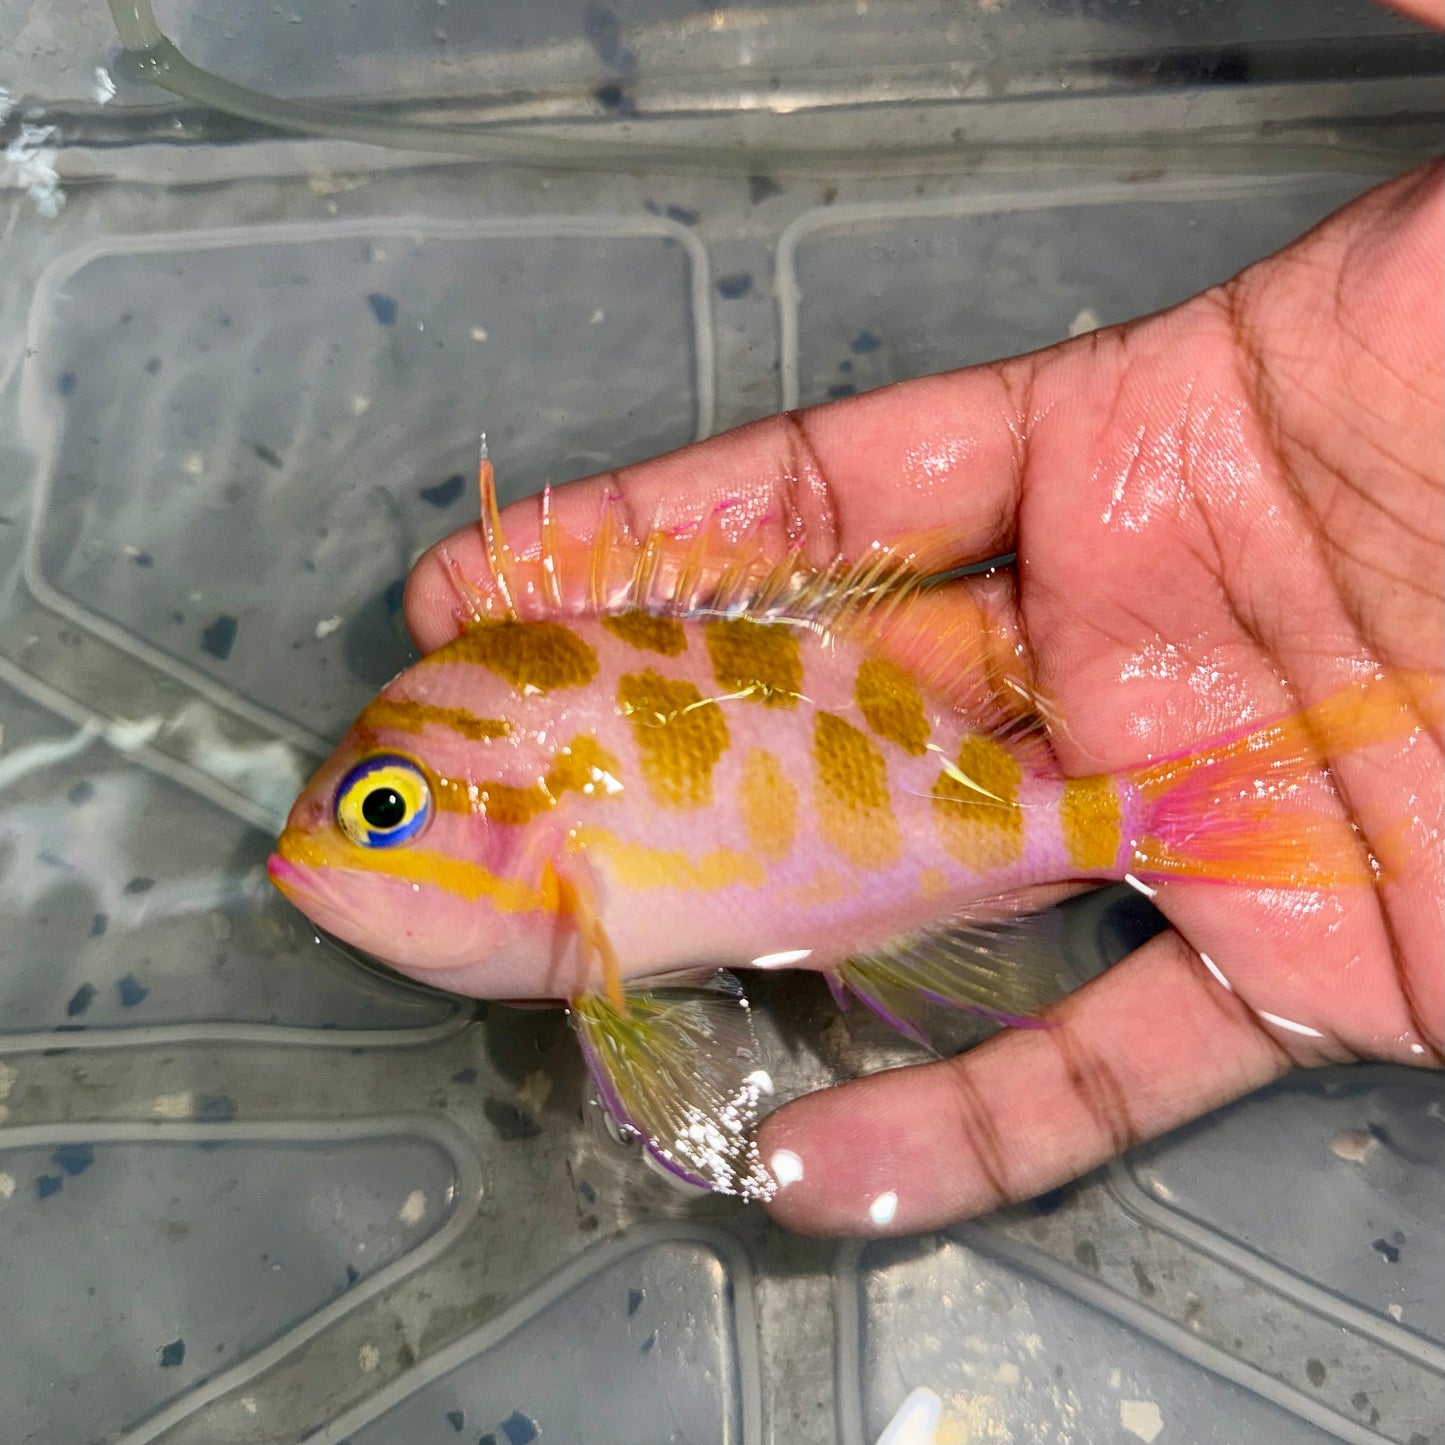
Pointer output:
x,y
173,1354
444,493
587,1191
153,364
139,884
272,458
74,1158
1049,1202
863,343
215,1108
761,187
54,860
615,98
604,33
465,1076
844,388
132,991
81,999
487,1439
67,383
634,1301
98,924
456,1419
82,792
220,637
48,1184
734,285
682,215
352,1274
646,1347
1389,1252
393,595
518,1429
383,307
143,559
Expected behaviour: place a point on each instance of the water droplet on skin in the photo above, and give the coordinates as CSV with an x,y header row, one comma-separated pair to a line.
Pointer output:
x,y
786,1167
882,1210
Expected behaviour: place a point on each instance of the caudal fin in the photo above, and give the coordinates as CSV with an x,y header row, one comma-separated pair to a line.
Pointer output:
x,y
1257,806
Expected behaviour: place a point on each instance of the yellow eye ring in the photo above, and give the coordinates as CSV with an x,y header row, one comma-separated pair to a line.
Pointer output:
x,y
383,801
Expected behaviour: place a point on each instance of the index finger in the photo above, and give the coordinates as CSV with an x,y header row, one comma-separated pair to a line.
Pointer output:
x,y
837,477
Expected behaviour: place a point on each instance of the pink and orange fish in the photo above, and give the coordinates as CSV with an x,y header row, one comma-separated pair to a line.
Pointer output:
x,y
648,761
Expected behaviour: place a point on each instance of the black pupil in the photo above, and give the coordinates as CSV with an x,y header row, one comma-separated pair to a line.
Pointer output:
x,y
383,808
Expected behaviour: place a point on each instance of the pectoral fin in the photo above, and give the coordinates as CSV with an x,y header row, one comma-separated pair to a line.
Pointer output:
x,y
682,1067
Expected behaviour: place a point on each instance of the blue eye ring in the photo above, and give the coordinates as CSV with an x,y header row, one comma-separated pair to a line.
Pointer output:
x,y
384,801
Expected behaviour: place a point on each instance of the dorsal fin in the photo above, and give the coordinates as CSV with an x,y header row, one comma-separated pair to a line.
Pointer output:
x,y
895,600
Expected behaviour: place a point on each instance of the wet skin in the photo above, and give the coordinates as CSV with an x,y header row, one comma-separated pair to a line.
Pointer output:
x,y
1216,510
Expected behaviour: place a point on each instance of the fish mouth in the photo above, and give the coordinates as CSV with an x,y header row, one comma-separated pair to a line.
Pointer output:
x,y
285,875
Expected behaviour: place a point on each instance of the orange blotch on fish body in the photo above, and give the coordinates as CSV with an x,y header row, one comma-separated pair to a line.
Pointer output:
x,y
639,867
975,806
680,736
932,883
825,887
532,656
1090,816
759,659
768,802
850,795
647,633
892,704
582,766
403,714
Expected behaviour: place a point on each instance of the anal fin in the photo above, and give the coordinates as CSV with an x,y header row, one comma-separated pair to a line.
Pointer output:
x,y
992,959
682,1067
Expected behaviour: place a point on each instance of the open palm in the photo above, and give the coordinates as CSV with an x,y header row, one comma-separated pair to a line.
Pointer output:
x,y
1218,512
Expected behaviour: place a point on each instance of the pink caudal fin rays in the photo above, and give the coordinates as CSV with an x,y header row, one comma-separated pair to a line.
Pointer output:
x,y
681,1066
1256,807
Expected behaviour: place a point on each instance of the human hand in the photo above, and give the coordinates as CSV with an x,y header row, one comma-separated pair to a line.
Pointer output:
x,y
1216,511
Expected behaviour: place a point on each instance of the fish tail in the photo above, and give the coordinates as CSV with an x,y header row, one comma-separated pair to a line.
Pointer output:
x,y
1257,806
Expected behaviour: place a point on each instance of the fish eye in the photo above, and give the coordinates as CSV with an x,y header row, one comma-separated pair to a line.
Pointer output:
x,y
383,801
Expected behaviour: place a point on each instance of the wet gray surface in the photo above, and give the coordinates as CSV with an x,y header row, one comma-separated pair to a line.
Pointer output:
x,y
252,1192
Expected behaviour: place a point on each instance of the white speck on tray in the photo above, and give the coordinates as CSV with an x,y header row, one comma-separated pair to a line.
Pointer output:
x,y
479,333
7,1185
1006,1373
1141,1418
1396,1312
174,1106
104,88
194,463
368,1357
1116,1379
599,316
1353,1145
326,627
1085,320
360,405
248,1404
413,1208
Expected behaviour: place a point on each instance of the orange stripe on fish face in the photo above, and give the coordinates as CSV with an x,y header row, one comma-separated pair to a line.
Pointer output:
x,y
892,705
850,795
402,714
757,659
647,633
639,867
1090,815
532,656
582,766
975,806
680,736
465,879
768,802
